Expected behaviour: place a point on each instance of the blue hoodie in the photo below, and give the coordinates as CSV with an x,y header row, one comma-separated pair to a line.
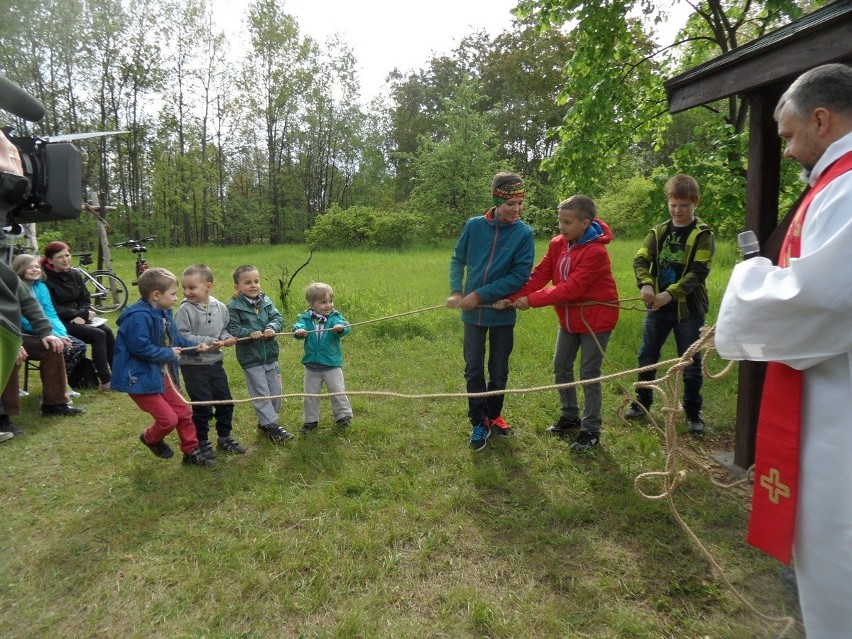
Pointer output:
x,y
141,355
498,258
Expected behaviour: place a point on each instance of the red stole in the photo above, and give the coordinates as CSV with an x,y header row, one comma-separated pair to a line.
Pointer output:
x,y
776,469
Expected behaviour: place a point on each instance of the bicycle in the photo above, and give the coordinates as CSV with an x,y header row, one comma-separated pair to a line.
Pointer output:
x,y
109,294
139,249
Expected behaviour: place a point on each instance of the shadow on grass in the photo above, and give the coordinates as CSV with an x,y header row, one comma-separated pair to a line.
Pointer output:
x,y
593,540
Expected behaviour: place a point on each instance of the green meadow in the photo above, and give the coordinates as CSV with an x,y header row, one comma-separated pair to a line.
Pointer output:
x,y
393,528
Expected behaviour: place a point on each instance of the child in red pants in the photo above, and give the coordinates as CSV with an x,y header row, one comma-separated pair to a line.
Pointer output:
x,y
146,347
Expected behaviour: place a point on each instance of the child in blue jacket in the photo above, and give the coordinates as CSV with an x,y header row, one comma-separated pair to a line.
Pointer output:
x,y
496,250
146,347
322,327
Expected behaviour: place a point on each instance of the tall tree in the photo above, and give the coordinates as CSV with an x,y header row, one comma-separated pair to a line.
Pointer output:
x,y
615,105
275,76
329,142
453,174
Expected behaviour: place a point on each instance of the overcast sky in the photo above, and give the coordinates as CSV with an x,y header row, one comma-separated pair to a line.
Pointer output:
x,y
385,34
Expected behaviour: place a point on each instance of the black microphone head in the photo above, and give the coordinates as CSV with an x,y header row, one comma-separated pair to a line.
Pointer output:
x,y
19,102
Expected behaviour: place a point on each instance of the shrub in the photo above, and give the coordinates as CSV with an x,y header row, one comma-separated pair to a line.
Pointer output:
x,y
361,226
629,207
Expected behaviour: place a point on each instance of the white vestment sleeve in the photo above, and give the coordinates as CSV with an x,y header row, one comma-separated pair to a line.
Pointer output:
x,y
800,315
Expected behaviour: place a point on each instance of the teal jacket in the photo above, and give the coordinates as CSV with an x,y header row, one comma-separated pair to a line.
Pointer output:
x,y
244,320
322,347
690,291
498,258
42,294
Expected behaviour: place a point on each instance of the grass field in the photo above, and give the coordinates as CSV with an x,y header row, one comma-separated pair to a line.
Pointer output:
x,y
393,528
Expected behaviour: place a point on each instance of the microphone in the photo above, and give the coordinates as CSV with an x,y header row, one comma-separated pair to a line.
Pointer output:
x,y
18,102
749,246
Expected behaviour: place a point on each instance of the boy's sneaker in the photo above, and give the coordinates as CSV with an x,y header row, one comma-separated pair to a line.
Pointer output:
x,y
585,440
5,435
275,433
308,427
161,449
500,427
479,436
636,411
197,458
230,445
73,394
7,425
563,426
695,425
206,449
344,422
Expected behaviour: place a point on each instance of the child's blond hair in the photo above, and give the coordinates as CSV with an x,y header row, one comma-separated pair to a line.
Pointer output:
x,y
156,279
318,291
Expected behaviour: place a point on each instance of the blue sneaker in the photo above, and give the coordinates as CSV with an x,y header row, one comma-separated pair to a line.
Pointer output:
x,y
479,437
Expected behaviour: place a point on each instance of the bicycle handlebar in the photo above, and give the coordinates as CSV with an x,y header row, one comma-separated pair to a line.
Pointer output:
x,y
129,242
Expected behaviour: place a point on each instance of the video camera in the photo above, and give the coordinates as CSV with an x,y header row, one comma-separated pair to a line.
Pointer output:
x,y
52,185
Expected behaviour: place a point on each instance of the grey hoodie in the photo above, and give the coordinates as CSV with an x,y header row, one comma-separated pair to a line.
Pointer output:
x,y
204,325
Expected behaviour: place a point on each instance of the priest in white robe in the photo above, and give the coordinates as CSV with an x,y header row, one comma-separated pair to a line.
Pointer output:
x,y
800,314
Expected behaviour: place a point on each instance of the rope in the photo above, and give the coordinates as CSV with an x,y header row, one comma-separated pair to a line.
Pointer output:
x,y
668,386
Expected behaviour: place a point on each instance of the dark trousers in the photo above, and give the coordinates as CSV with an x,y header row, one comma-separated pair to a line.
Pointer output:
x,y
103,345
205,383
500,341
686,332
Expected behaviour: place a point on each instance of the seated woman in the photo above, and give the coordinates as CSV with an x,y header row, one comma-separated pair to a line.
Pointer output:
x,y
27,267
73,306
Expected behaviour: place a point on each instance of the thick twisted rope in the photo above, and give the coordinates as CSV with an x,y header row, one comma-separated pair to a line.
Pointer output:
x,y
668,386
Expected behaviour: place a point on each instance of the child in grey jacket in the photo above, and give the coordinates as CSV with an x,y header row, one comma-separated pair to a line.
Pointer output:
x,y
204,319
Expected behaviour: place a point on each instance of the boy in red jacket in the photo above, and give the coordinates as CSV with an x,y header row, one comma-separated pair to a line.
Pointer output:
x,y
578,266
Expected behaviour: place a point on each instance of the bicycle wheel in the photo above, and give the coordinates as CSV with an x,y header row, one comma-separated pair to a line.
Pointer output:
x,y
109,293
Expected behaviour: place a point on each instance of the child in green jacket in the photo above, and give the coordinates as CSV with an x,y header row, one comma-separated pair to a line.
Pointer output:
x,y
252,314
322,327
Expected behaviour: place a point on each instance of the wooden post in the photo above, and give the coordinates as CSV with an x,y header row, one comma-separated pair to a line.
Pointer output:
x,y
761,216
104,255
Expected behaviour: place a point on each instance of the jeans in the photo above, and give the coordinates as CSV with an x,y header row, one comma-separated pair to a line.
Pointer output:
x,y
501,340
591,357
686,331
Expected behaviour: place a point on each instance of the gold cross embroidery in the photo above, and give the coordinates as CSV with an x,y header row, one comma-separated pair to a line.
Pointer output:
x,y
772,483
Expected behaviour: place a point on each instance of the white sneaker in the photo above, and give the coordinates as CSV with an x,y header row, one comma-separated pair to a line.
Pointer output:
x,y
4,436
23,393
73,394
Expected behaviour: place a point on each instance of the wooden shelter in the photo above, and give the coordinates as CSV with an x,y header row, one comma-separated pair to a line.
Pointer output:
x,y
760,72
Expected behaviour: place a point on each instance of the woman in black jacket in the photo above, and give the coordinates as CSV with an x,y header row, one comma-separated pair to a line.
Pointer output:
x,y
73,305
